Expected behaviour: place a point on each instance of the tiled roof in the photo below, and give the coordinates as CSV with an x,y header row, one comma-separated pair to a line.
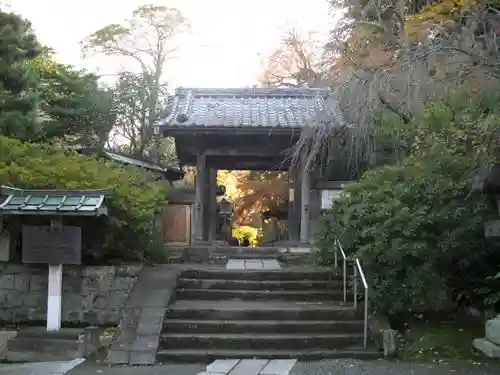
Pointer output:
x,y
53,202
170,173
245,107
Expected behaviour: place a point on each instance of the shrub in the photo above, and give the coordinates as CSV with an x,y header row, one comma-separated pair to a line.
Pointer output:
x,y
418,230
129,233
252,234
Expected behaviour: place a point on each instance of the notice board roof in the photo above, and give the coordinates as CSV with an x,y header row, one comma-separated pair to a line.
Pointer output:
x,y
90,202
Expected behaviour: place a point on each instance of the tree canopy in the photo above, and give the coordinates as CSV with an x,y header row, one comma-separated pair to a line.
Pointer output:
x,y
42,99
418,84
146,41
46,108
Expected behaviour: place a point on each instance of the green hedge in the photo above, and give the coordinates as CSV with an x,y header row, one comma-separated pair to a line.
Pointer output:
x,y
419,232
128,233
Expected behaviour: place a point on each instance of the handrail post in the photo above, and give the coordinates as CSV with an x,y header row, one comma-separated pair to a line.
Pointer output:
x,y
355,285
344,277
366,319
336,255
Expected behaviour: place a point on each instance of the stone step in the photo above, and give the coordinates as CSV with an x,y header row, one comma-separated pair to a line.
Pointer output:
x,y
254,252
36,344
249,256
188,283
209,355
28,349
262,326
264,275
253,341
257,310
260,295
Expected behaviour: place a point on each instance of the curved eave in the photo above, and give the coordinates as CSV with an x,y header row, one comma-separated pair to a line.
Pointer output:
x,y
175,130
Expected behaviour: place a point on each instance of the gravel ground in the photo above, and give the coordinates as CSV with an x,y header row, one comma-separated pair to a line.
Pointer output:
x,y
352,367
177,369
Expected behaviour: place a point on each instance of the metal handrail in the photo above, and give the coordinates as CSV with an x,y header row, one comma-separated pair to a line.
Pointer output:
x,y
344,267
358,269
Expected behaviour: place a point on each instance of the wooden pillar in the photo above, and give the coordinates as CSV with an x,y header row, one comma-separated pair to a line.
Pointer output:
x,y
294,215
212,199
305,188
198,214
291,196
205,208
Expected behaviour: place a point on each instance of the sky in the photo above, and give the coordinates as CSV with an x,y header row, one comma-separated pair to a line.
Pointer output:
x,y
225,48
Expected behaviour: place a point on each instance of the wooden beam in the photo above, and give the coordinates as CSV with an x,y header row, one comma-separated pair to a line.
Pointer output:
x,y
246,152
231,164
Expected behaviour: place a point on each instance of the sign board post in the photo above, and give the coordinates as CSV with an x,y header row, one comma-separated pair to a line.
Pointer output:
x,y
55,245
54,295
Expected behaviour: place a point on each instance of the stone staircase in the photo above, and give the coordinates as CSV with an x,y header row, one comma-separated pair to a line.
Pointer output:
x,y
222,314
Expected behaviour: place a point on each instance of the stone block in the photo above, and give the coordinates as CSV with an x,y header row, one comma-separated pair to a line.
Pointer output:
x,y
22,283
38,283
149,326
128,271
118,357
98,272
389,342
145,343
109,316
7,282
492,328
73,316
35,300
385,337
5,336
45,346
487,348
138,358
13,300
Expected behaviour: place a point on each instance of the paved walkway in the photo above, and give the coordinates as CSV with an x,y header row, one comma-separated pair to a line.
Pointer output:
x,y
249,367
142,318
40,368
253,264
325,367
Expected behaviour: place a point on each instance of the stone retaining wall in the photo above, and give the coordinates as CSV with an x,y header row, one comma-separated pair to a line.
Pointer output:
x,y
91,294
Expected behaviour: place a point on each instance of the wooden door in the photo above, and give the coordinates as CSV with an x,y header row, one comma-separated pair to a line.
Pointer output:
x,y
177,224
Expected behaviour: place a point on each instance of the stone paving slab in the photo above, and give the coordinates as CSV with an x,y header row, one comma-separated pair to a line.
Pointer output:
x,y
235,264
253,264
249,367
278,367
221,366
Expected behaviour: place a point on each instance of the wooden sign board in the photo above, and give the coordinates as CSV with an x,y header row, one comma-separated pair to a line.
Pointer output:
x,y
52,245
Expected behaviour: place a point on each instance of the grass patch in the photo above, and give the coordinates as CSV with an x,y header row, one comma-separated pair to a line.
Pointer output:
x,y
433,338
